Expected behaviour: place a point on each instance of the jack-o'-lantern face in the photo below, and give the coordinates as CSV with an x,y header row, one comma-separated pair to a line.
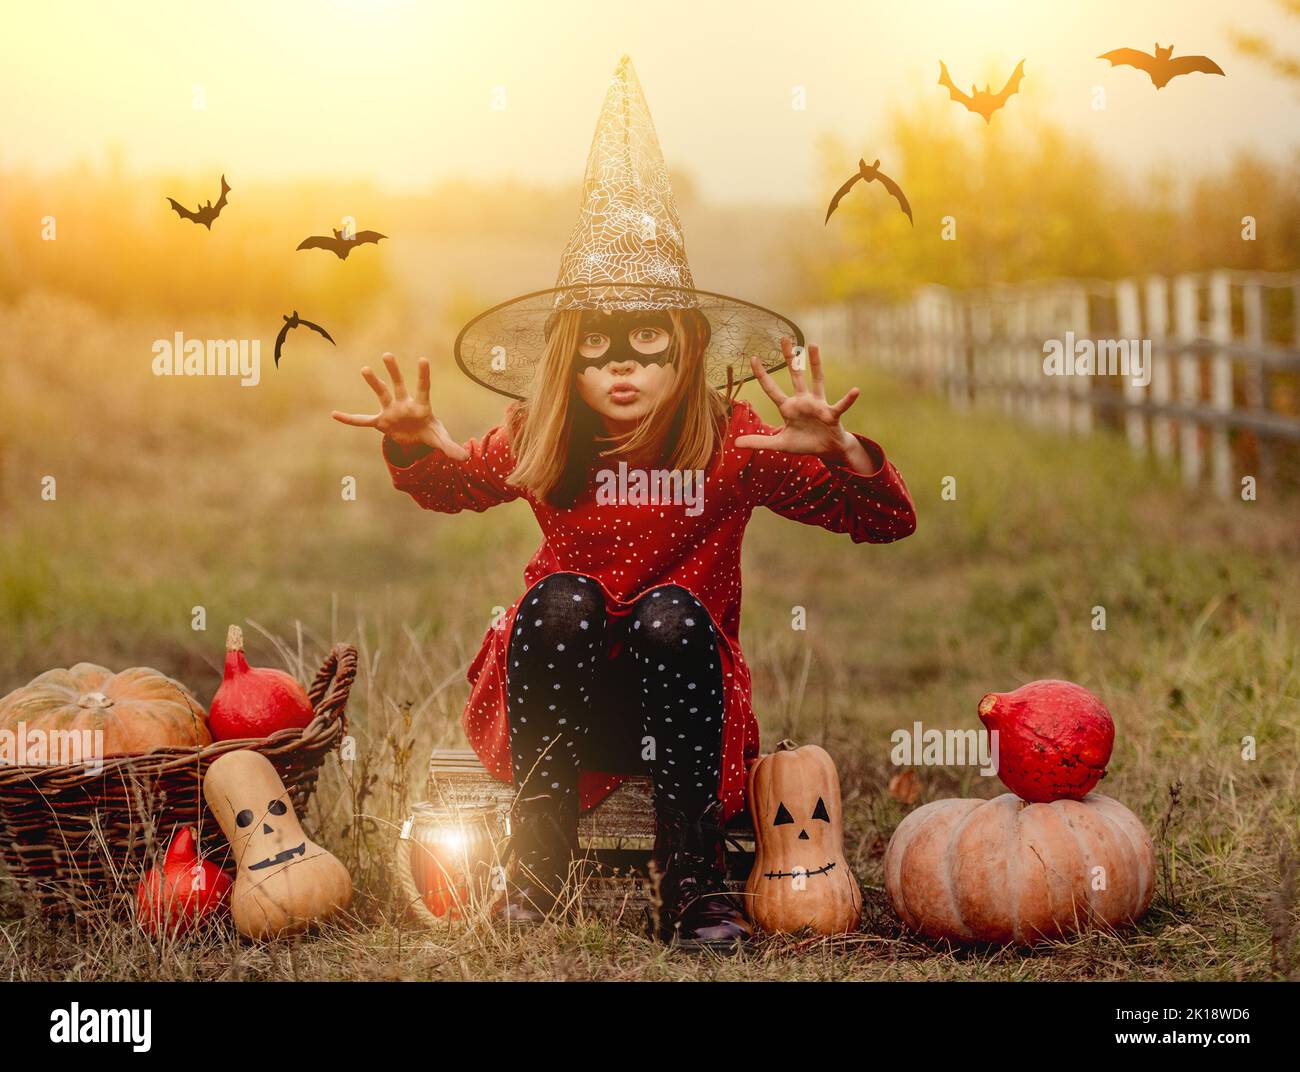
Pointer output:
x,y
270,841
284,881
800,877
804,839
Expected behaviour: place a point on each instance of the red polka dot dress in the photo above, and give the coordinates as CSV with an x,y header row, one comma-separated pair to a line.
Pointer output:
x,y
631,548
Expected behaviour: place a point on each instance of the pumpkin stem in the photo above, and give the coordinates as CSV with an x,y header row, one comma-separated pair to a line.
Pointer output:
x,y
786,745
989,702
94,699
234,639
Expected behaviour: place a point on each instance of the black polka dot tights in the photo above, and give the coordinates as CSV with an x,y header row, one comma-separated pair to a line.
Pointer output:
x,y
654,707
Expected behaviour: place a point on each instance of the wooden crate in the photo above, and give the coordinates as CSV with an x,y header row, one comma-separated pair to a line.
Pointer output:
x,y
618,834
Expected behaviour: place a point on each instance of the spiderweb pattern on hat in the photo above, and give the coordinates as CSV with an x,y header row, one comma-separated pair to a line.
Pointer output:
x,y
626,252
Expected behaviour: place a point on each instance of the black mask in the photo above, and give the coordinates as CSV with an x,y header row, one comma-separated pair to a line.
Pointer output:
x,y
630,336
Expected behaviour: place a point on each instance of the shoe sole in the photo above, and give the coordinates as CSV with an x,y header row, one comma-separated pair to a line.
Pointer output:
x,y
706,945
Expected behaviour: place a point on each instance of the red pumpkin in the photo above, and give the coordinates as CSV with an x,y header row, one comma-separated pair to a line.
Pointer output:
x,y
1054,739
255,701
185,890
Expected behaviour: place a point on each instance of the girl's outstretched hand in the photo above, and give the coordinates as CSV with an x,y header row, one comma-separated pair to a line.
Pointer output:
x,y
404,419
812,425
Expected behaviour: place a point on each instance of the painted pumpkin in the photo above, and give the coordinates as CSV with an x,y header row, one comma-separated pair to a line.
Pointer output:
x,y
137,710
800,877
284,881
1004,870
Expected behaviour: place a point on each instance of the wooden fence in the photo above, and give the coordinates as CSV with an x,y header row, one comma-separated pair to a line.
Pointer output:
x,y
1223,396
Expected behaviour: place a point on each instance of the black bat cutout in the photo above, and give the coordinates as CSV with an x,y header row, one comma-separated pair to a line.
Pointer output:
x,y
291,322
340,246
205,213
1161,67
981,101
871,174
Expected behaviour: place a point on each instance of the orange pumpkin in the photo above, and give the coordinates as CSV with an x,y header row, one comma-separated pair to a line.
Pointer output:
x,y
137,710
1004,870
800,877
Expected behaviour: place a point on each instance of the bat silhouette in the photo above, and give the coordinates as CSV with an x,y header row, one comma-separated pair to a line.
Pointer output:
x,y
981,101
1161,67
291,322
206,213
338,245
870,174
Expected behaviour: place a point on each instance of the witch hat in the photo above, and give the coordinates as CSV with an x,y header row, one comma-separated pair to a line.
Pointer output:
x,y
626,252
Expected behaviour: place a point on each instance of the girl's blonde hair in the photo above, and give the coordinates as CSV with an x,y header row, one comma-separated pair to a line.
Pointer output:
x,y
555,437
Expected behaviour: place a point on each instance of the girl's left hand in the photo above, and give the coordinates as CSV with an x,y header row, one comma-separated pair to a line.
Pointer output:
x,y
812,425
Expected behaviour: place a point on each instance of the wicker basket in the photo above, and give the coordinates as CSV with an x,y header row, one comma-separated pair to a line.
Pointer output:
x,y
72,838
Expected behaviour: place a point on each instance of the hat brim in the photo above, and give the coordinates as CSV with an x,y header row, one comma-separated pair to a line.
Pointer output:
x,y
502,347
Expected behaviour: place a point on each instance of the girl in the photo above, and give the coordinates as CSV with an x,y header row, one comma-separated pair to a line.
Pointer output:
x,y
622,655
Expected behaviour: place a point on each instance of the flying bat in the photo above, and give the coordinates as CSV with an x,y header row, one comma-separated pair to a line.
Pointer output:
x,y
981,101
291,322
207,212
1161,67
339,245
870,174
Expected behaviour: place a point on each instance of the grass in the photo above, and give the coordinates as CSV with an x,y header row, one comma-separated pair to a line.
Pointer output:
x,y
186,495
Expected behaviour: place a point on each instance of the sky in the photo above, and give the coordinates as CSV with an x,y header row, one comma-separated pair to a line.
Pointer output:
x,y
406,93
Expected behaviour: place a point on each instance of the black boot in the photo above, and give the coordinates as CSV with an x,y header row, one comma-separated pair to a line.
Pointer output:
x,y
695,909
544,837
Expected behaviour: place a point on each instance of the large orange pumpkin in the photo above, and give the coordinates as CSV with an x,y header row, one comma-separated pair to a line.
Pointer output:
x,y
800,877
1004,870
137,710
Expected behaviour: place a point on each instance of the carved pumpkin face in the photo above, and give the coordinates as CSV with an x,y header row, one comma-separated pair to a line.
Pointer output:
x,y
800,877
815,840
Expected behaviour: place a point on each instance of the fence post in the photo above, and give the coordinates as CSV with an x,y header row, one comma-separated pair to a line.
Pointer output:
x,y
981,332
948,327
1022,357
1128,315
1081,386
1049,309
1187,330
1221,381
1157,302
965,333
1254,316
1002,354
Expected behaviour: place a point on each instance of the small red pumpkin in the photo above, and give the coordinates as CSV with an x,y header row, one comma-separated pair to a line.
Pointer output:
x,y
183,891
1054,739
255,701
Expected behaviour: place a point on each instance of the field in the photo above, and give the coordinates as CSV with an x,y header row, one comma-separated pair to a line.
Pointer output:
x,y
190,493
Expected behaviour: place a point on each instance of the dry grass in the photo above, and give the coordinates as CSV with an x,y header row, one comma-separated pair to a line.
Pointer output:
x,y
193,493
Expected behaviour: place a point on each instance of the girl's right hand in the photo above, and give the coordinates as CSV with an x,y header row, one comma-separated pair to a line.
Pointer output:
x,y
404,419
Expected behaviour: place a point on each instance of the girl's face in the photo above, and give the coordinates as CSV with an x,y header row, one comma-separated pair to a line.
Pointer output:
x,y
622,367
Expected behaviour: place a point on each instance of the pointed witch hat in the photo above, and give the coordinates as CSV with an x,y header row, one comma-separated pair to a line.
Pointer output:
x,y
626,252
